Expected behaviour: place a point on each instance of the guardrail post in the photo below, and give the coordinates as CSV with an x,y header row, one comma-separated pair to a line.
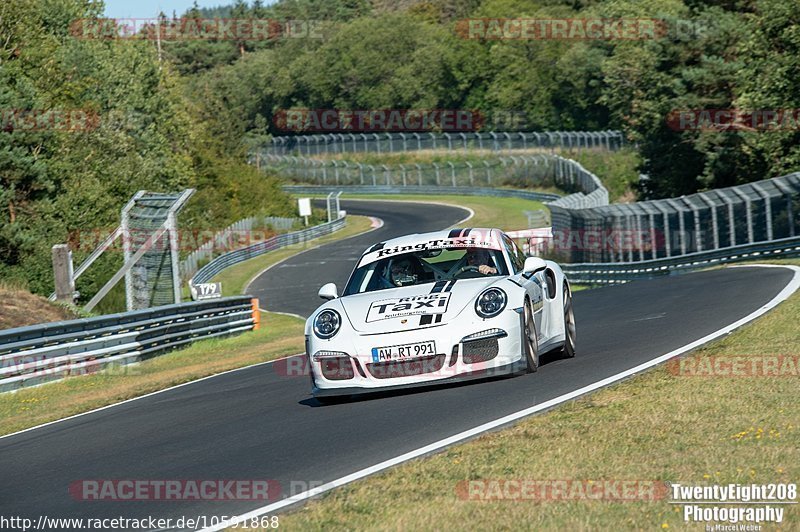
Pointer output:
x,y
767,208
749,213
338,204
787,192
681,224
374,177
256,314
714,221
698,232
63,273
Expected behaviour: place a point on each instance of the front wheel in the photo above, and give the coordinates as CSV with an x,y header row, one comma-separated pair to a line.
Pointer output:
x,y
530,343
568,350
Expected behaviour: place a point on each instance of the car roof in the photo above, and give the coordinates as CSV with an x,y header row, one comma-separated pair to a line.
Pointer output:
x,y
486,238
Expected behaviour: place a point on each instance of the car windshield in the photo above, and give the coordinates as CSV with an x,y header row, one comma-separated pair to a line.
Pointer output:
x,y
422,267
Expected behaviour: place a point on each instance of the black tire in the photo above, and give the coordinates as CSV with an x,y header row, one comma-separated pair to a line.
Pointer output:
x,y
568,351
530,345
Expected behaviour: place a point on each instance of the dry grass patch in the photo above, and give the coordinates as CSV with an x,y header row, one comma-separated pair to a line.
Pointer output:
x,y
20,308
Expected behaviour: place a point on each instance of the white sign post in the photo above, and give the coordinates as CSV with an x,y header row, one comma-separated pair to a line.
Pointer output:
x,y
304,205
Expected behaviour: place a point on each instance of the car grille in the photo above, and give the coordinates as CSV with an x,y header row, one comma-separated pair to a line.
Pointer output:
x,y
406,368
337,369
480,350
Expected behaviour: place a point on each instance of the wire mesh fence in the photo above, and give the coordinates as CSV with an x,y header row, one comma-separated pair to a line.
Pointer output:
x,y
149,231
586,229
730,217
315,145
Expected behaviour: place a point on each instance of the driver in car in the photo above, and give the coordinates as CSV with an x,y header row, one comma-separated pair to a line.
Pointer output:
x,y
481,259
402,273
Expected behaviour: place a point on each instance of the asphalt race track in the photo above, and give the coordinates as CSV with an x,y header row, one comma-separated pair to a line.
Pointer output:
x,y
288,287
259,423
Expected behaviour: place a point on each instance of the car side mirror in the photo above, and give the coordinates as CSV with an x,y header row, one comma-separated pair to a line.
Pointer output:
x,y
533,265
328,291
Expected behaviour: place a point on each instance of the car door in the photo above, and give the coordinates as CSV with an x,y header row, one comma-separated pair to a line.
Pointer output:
x,y
535,285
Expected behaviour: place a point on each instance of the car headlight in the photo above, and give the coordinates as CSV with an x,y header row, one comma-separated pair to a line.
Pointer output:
x,y
327,324
490,303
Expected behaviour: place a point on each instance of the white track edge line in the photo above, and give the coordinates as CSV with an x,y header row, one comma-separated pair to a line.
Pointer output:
x,y
784,294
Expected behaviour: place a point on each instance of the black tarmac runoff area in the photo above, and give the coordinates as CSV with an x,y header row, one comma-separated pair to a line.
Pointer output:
x,y
261,423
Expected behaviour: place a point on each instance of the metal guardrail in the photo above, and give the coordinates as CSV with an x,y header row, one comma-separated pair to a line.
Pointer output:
x,y
623,272
231,258
52,351
227,239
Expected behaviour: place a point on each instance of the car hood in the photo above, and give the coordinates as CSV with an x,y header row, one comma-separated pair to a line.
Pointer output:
x,y
412,307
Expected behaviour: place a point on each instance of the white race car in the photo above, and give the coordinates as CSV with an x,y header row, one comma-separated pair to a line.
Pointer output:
x,y
438,307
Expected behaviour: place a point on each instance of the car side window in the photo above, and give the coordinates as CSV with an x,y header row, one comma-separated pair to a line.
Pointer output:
x,y
517,259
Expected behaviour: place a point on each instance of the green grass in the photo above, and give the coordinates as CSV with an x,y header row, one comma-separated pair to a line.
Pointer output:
x,y
504,213
654,427
617,170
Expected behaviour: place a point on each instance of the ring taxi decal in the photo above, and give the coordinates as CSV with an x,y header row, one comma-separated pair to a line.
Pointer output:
x,y
397,307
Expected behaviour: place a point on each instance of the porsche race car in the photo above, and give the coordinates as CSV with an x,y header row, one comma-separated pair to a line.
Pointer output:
x,y
438,307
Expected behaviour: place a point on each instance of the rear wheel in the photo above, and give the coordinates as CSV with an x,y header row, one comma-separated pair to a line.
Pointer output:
x,y
530,343
569,326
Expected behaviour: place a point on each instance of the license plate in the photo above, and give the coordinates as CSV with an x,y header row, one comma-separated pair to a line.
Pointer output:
x,y
403,352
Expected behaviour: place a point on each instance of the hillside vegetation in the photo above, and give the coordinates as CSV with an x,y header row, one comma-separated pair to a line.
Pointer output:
x,y
183,113
713,54
132,127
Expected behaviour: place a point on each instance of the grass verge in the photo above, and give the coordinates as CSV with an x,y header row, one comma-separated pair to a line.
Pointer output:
x,y
504,213
657,427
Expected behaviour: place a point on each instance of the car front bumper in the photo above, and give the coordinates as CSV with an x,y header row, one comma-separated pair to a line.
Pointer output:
x,y
345,364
